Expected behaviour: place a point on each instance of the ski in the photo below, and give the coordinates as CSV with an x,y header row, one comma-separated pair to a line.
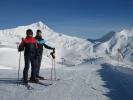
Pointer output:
x,y
42,79
44,83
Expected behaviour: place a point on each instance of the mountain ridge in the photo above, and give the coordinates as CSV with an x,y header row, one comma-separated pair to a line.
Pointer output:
x,y
73,47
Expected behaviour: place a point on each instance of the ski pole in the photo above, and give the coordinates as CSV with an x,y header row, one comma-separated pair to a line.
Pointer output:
x,y
19,65
19,60
53,70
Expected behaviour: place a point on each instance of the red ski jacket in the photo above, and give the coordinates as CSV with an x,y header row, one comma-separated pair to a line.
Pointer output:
x,y
29,46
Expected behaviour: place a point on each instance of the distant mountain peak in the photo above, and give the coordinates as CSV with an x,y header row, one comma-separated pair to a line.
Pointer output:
x,y
125,33
40,25
105,38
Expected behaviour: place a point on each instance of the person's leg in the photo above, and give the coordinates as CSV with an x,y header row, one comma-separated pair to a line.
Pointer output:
x,y
33,68
39,59
26,69
37,66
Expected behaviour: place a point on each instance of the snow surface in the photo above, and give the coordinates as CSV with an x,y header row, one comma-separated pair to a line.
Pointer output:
x,y
88,81
87,69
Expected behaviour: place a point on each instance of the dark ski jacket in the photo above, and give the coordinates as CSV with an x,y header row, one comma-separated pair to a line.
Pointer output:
x,y
29,45
41,42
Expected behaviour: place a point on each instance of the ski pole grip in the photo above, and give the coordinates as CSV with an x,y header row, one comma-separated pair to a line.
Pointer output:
x,y
53,55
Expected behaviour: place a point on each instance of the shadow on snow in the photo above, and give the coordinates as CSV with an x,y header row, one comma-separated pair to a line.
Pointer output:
x,y
120,83
9,81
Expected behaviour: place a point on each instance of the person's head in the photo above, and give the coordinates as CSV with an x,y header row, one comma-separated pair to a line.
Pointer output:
x,y
39,33
29,33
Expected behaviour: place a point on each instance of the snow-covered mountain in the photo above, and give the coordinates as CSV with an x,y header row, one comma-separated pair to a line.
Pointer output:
x,y
95,75
75,50
72,49
122,40
11,36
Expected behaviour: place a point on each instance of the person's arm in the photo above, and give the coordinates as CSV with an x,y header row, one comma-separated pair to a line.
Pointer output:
x,y
21,45
47,47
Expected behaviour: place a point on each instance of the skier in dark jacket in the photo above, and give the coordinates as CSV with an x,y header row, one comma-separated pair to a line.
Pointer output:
x,y
41,44
29,46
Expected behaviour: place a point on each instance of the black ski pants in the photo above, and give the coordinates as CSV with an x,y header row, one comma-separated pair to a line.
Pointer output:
x,y
29,60
38,64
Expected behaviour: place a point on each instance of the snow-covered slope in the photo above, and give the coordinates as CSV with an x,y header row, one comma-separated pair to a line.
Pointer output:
x,y
122,40
11,36
72,49
75,50
95,75
88,81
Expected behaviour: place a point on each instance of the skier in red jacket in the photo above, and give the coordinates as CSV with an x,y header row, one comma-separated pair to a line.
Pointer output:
x,y
29,46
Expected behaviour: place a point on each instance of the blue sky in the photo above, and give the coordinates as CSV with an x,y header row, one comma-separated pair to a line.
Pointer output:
x,y
82,18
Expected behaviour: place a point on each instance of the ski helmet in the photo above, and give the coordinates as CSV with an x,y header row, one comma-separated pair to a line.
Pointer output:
x,y
38,31
29,32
